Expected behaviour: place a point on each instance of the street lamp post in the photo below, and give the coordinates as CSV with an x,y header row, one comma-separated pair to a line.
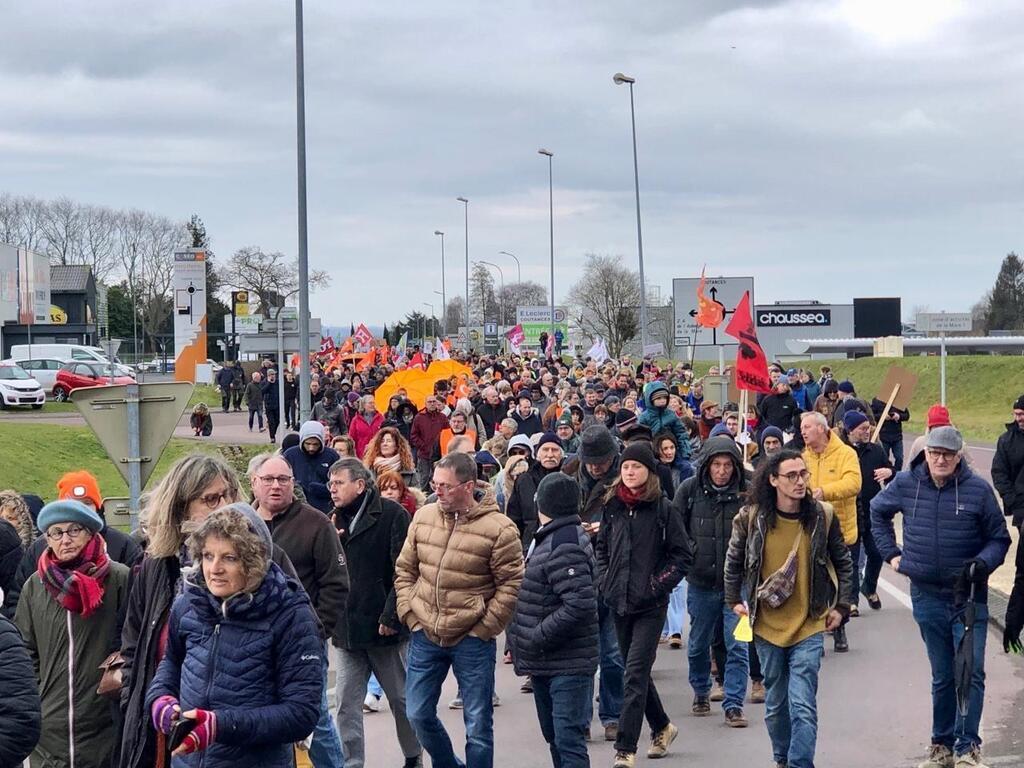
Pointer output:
x,y
444,303
425,326
621,79
303,260
551,231
443,327
519,268
465,205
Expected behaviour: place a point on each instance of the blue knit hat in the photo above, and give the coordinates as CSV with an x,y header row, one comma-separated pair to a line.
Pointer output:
x,y
69,511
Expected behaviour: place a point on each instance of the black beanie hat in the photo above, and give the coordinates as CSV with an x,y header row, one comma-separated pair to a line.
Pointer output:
x,y
624,416
640,452
597,445
558,496
1019,405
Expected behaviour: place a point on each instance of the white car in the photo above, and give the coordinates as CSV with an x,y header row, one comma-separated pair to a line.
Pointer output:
x,y
18,388
42,369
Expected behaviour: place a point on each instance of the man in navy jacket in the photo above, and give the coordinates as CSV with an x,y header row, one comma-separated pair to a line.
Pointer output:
x,y
953,534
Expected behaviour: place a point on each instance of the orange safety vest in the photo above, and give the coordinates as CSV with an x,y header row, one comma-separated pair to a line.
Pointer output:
x,y
446,437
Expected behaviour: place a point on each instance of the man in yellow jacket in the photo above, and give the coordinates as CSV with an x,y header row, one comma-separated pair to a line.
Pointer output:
x,y
835,478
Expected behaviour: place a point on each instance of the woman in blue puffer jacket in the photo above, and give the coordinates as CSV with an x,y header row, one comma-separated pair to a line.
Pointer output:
x,y
243,660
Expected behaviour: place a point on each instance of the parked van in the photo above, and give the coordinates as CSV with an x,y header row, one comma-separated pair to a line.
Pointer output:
x,y
68,352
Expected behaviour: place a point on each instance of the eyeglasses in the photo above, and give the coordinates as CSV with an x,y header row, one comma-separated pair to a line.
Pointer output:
x,y
941,455
794,476
444,487
56,534
275,479
213,500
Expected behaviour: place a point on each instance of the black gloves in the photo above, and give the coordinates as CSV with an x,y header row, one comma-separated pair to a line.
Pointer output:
x,y
1014,621
980,568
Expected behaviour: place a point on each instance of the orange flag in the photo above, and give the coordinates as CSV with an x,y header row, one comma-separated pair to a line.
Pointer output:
x,y
348,347
367,360
710,313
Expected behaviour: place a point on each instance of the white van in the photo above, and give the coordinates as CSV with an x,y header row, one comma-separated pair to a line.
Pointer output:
x,y
67,352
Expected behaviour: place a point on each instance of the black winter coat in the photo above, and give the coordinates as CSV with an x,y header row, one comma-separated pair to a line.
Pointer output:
x,y
707,513
1008,472
530,425
891,430
491,415
20,713
373,538
521,507
871,456
780,411
554,628
642,554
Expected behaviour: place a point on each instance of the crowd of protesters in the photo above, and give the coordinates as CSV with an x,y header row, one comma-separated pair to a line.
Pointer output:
x,y
583,510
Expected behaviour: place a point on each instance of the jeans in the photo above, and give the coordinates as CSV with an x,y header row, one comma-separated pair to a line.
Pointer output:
x,y
791,698
472,660
225,399
563,708
258,412
638,640
707,610
941,626
325,751
373,686
873,566
676,619
291,413
896,448
610,691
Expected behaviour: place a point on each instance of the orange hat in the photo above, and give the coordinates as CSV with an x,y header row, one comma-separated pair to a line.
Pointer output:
x,y
80,485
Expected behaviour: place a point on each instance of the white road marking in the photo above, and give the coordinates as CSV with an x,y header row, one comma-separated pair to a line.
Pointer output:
x,y
899,594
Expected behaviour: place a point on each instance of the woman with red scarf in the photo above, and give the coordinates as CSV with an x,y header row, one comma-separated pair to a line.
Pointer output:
x,y
68,616
643,552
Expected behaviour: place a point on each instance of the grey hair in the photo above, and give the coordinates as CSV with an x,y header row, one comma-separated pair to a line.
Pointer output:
x,y
355,468
458,444
488,391
462,464
815,416
256,462
509,422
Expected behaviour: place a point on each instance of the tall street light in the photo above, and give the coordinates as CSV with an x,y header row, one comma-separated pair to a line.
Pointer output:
x,y
300,138
465,205
551,228
519,268
444,328
444,304
621,79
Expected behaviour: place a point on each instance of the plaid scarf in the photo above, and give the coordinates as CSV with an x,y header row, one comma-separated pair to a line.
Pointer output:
x,y
77,585
628,496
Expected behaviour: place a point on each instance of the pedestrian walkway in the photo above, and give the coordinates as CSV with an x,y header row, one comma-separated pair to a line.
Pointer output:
x,y
874,707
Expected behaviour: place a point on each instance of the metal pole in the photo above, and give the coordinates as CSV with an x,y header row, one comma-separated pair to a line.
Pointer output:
x,y
551,233
280,372
639,234
465,204
942,368
519,267
134,453
444,300
300,124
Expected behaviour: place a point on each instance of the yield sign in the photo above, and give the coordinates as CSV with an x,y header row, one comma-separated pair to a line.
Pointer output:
x,y
105,409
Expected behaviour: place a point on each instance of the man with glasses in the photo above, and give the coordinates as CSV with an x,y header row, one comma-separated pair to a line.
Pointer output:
x,y
310,541
954,536
457,580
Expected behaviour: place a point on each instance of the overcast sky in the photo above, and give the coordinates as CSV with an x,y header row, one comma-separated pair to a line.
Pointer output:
x,y
829,148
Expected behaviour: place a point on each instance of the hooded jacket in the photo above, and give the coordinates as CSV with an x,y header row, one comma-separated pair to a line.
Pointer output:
x,y
707,513
459,574
943,527
256,660
311,472
554,629
20,717
836,471
1008,472
526,425
663,419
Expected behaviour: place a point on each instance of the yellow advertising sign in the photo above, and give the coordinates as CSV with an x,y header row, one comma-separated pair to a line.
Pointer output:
x,y
58,316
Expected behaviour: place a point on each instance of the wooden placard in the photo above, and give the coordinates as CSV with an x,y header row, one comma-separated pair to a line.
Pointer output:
x,y
907,381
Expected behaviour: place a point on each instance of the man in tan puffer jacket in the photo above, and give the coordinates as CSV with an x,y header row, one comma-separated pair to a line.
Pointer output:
x,y
456,582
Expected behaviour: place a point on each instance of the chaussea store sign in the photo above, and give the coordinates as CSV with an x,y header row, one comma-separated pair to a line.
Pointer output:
x,y
789,317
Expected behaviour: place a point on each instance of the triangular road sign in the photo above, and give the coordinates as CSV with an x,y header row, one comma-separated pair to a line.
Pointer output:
x,y
105,409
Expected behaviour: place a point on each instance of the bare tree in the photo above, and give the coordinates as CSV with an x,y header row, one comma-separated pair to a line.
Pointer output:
x,y
606,297
99,240
482,302
131,235
454,314
527,294
62,229
161,237
271,276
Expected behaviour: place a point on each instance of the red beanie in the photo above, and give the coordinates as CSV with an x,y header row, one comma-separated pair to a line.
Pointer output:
x,y
938,416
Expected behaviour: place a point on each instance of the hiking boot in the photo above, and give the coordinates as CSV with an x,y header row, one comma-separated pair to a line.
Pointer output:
x,y
734,718
675,641
717,692
611,732
701,706
757,693
841,643
939,756
874,602
661,741
970,759
413,762
624,759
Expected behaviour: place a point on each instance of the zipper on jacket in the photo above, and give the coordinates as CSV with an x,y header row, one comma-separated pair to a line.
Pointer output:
x,y
437,581
71,692
209,682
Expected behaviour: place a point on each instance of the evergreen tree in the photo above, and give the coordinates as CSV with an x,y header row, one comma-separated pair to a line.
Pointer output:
x,y
384,334
1006,305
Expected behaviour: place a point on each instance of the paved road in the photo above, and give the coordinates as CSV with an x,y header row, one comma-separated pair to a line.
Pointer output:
x,y
874,708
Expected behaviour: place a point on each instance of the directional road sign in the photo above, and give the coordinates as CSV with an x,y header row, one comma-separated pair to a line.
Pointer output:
x,y
727,291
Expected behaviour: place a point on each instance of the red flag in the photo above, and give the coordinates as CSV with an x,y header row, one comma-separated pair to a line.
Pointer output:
x,y
710,313
751,363
326,346
417,361
363,336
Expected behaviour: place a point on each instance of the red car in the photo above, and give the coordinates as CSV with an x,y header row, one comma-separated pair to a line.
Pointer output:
x,y
77,374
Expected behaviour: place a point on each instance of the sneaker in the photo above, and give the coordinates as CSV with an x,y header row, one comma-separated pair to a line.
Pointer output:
x,y
701,706
757,693
661,741
842,645
854,612
734,718
939,756
675,641
874,602
663,639
371,703
455,703
527,686
624,759
970,759
611,732
717,692
413,762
